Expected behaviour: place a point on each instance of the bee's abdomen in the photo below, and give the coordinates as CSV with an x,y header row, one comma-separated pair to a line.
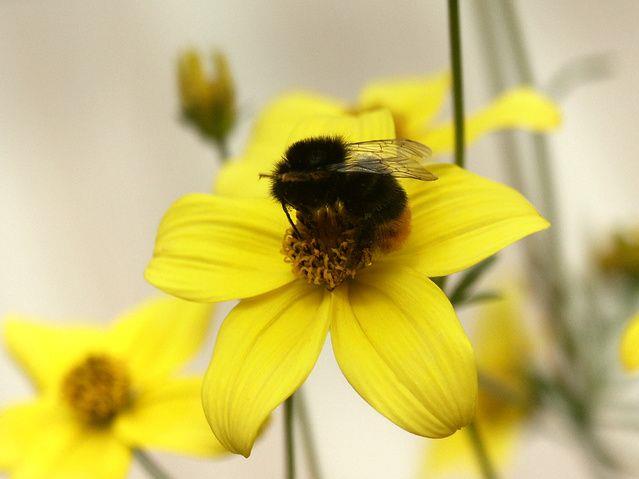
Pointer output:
x,y
380,204
392,234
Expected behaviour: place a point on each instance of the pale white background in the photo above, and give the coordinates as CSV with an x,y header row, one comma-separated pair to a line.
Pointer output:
x,y
91,154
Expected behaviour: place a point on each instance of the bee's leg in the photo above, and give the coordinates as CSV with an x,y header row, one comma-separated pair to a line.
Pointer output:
x,y
290,220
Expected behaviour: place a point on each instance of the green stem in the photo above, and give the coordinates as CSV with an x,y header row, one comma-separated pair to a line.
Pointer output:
x,y
556,296
289,438
464,287
222,149
440,281
307,435
152,468
488,13
486,466
458,86
497,82
497,389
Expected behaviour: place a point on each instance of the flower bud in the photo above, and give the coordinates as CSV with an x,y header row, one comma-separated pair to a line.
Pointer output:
x,y
622,256
207,101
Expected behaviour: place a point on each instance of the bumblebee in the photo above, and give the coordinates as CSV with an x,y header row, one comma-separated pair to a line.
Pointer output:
x,y
333,185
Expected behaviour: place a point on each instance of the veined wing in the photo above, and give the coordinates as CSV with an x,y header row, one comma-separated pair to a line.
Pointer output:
x,y
398,157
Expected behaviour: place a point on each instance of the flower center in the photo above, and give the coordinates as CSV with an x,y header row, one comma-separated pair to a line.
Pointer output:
x,y
326,249
97,389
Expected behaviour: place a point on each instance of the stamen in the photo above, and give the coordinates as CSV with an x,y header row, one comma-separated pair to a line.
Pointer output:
x,y
97,389
324,249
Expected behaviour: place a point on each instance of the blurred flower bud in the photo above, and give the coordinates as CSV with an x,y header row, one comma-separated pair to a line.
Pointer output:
x,y
622,257
207,101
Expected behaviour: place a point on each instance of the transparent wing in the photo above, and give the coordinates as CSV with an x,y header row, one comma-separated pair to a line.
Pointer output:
x,y
399,157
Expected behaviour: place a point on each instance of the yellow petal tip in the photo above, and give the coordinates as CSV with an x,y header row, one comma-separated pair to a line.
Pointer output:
x,y
629,346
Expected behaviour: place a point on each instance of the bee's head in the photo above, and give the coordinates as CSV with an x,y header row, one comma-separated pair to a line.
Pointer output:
x,y
299,178
315,153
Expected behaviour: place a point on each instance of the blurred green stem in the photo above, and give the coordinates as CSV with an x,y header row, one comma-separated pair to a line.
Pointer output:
x,y
289,438
308,442
555,284
496,73
454,32
222,150
498,389
479,448
151,467
464,286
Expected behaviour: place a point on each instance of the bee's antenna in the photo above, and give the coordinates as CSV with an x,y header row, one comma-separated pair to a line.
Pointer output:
x,y
288,216
264,175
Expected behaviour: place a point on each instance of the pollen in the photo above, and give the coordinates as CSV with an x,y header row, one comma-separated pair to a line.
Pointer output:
x,y
97,389
325,250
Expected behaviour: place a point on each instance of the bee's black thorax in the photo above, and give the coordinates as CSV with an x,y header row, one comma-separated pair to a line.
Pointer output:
x,y
302,180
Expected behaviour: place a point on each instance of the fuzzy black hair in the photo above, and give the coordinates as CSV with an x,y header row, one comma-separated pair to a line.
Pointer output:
x,y
316,152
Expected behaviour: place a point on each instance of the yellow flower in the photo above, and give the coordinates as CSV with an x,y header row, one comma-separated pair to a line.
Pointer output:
x,y
630,345
503,353
103,392
394,333
208,103
414,104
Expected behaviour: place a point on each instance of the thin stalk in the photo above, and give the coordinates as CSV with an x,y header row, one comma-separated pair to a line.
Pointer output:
x,y
497,389
479,448
310,449
464,287
496,73
440,281
152,468
454,32
222,150
289,439
510,148
557,296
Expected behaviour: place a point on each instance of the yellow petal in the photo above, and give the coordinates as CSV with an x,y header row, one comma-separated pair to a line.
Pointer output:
x,y
503,350
266,348
169,418
462,218
414,102
502,344
521,108
241,178
270,134
158,337
455,456
630,345
46,351
67,451
400,345
211,248
268,141
19,426
371,125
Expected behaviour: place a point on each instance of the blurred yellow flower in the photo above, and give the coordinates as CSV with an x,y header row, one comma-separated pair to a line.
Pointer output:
x,y
103,392
395,335
630,345
505,400
414,104
622,257
208,103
